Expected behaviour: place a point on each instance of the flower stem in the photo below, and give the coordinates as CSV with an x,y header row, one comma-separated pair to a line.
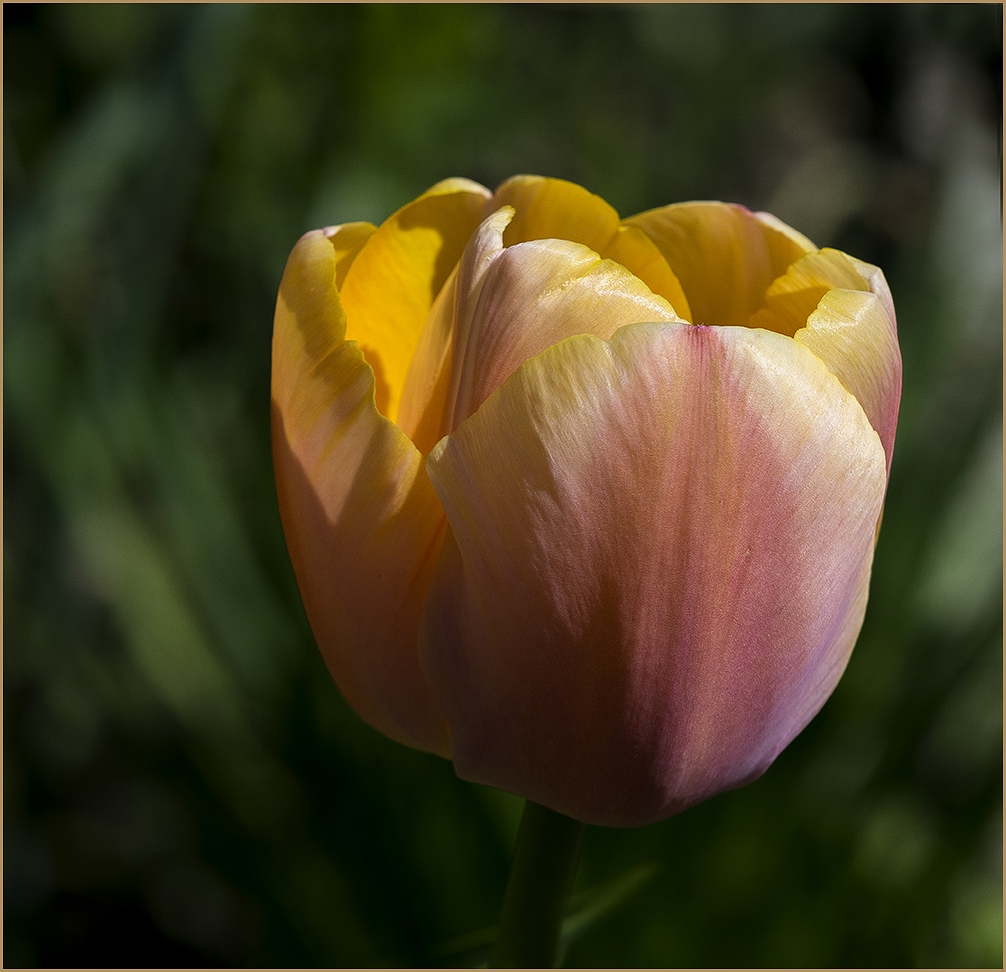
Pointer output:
x,y
541,876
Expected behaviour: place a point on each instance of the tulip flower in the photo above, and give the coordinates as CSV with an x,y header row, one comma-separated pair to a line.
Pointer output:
x,y
586,505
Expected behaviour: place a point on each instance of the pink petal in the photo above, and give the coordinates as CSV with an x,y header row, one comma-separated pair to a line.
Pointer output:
x,y
656,568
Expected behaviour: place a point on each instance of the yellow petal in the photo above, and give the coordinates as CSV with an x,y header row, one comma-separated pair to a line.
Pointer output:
x,y
656,568
724,256
558,210
362,523
319,326
792,297
553,209
636,252
427,382
397,275
347,241
790,237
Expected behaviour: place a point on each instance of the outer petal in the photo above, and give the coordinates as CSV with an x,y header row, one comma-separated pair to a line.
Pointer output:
x,y
535,294
625,621
842,310
555,209
852,334
484,247
362,523
724,255
397,275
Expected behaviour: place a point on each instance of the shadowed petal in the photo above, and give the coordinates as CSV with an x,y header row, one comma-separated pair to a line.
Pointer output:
x,y
626,620
397,275
362,523
347,240
319,323
427,382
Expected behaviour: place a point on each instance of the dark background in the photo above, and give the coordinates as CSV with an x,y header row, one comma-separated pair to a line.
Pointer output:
x,y
182,782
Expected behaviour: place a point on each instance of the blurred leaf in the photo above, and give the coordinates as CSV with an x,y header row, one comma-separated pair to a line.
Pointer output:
x,y
588,907
963,575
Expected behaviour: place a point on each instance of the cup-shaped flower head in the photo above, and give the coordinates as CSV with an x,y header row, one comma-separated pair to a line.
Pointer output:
x,y
587,505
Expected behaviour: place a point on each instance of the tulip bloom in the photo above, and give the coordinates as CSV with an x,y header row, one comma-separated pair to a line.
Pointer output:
x,y
587,505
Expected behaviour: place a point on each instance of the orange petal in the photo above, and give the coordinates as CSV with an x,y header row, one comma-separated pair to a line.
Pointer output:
x,y
362,522
724,255
397,275
656,568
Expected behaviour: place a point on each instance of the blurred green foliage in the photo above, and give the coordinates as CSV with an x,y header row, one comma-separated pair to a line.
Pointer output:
x,y
183,783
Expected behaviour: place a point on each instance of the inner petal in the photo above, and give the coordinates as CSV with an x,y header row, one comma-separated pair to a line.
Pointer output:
x,y
536,294
555,209
724,255
794,296
424,394
397,274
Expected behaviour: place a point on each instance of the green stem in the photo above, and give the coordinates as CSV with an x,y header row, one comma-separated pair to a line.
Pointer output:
x,y
541,876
